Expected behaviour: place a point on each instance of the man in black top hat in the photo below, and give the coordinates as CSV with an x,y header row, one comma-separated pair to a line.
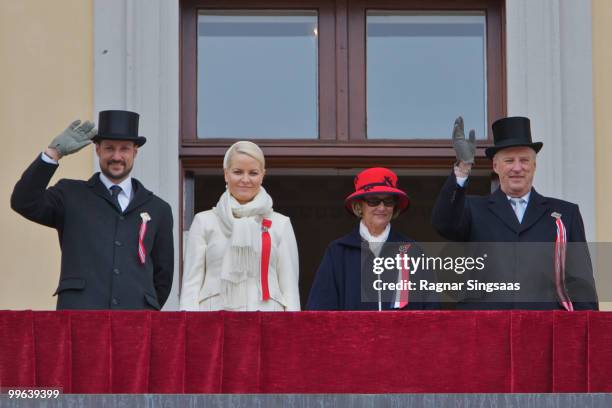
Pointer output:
x,y
553,276
115,235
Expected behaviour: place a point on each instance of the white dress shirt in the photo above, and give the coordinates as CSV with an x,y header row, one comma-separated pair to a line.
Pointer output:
x,y
519,205
125,195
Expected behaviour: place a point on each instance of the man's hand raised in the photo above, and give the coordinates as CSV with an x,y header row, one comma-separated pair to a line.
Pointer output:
x,y
465,150
72,139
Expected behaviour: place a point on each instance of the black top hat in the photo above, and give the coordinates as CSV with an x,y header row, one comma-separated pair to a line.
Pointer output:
x,y
511,132
119,125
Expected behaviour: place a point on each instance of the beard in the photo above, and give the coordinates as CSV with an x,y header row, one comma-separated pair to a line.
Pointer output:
x,y
116,176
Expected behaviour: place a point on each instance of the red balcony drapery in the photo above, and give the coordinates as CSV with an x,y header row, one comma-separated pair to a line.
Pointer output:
x,y
307,352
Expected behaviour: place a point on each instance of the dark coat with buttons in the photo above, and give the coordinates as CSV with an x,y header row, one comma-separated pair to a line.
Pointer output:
x,y
491,219
100,265
340,285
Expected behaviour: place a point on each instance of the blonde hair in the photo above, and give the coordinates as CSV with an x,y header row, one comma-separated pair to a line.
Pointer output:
x,y
356,207
244,147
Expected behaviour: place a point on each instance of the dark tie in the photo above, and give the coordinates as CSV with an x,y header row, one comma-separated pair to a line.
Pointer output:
x,y
115,191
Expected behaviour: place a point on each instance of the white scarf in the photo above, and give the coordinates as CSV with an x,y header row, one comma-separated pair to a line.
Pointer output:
x,y
375,242
241,224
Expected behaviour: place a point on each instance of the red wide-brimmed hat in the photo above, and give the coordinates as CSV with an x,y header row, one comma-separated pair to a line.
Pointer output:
x,y
377,180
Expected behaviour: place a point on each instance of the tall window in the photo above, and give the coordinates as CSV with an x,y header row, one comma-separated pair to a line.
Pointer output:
x,y
423,68
344,83
257,74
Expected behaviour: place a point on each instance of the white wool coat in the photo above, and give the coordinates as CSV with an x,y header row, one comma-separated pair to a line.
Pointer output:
x,y
205,247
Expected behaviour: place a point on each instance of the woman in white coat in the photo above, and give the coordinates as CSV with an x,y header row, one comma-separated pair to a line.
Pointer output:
x,y
241,255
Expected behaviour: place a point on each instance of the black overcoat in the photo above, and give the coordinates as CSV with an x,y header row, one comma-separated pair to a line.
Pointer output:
x,y
491,219
100,268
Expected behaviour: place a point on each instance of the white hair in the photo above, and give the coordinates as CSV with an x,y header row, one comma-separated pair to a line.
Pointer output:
x,y
244,147
532,153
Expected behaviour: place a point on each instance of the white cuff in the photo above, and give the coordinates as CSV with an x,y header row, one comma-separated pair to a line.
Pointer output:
x,y
47,159
461,181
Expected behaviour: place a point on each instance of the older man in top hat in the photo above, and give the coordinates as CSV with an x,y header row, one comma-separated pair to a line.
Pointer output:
x,y
115,235
559,274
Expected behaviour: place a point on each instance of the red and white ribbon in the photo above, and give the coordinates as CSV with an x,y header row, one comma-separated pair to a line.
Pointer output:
x,y
266,244
143,230
404,278
560,251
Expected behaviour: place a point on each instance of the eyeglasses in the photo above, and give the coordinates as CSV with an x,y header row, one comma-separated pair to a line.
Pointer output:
x,y
375,202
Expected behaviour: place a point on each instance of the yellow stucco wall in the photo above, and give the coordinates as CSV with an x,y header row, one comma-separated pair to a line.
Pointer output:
x,y
602,90
46,78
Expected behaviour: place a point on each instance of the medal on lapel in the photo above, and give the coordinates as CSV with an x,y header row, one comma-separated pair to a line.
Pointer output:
x,y
145,218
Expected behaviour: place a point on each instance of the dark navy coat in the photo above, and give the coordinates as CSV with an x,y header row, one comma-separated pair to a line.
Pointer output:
x,y
99,242
491,219
338,282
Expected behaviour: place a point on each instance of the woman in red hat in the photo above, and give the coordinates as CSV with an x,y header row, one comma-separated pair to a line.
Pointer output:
x,y
345,278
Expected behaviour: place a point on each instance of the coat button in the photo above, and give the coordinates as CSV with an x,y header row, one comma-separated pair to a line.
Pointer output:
x,y
115,301
116,271
118,243
121,217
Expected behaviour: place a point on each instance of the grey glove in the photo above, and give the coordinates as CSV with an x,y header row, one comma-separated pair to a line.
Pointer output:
x,y
74,138
464,149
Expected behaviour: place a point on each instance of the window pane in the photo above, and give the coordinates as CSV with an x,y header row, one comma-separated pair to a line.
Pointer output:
x,y
424,70
257,74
